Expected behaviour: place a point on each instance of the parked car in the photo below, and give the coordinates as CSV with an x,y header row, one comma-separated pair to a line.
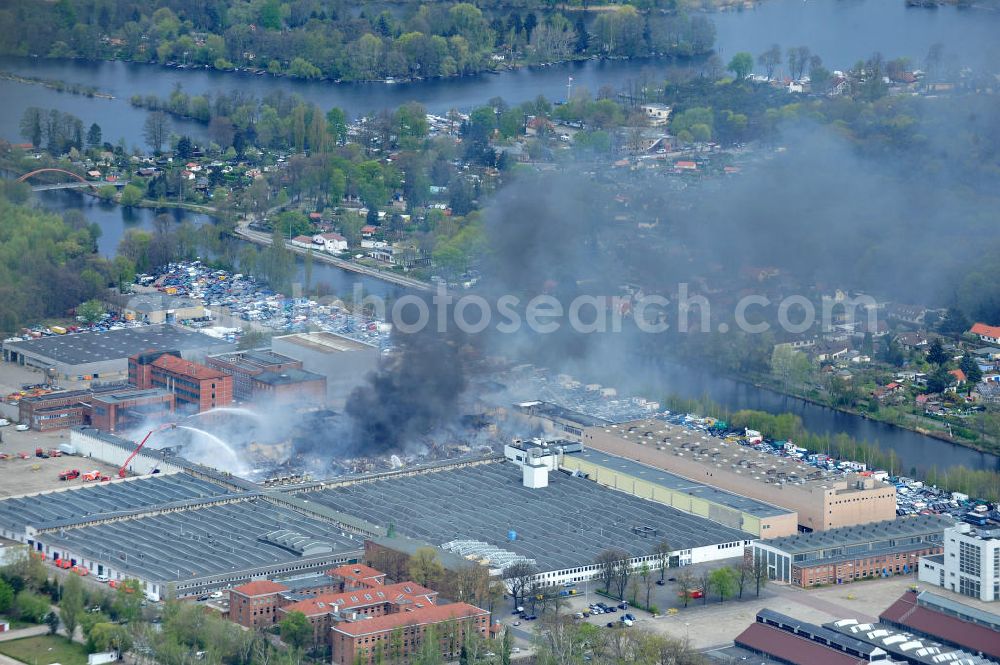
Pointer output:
x,y
22,428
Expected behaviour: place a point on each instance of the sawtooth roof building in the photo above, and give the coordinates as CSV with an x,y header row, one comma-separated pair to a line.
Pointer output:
x,y
484,511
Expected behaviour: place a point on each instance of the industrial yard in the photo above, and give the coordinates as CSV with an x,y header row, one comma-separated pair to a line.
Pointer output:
x,y
22,472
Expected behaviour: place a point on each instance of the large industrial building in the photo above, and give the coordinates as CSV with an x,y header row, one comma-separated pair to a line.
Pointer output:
x,y
846,554
344,362
969,564
176,533
104,354
821,499
761,519
501,512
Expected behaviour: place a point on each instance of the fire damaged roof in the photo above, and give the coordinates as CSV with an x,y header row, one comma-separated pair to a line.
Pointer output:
x,y
564,525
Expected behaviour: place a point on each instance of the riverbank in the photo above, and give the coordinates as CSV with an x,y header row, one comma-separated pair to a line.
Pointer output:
x,y
58,86
243,231
761,382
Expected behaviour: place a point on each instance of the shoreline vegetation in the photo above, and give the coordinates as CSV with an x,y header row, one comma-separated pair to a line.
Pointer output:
x,y
338,42
55,84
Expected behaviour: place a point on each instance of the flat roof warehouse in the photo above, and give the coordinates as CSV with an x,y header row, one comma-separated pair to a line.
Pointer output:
x,y
562,526
102,352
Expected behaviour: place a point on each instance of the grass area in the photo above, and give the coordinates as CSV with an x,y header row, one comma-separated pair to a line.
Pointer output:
x,y
45,649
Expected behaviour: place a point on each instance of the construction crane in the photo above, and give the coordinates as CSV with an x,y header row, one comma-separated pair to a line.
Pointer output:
x,y
122,471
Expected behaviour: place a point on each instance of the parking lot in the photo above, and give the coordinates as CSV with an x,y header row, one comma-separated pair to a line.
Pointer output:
x,y
712,625
34,474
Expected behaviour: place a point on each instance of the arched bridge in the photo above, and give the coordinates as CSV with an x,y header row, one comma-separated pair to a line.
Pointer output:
x,y
80,180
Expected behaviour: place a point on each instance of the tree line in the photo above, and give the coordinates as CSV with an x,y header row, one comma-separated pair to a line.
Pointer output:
x,y
308,40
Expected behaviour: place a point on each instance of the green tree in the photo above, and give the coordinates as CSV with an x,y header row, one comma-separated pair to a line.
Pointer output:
x,y
723,582
424,567
741,65
31,606
506,646
131,196
296,631
94,136
92,311
71,604
6,596
939,380
971,369
936,354
52,620
107,636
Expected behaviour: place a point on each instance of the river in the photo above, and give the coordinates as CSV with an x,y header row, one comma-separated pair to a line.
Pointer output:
x,y
968,36
872,25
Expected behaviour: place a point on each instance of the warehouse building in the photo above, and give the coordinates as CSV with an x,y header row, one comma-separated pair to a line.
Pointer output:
x,y
902,646
955,624
788,640
837,556
969,564
821,499
176,533
761,519
555,420
487,510
243,366
104,354
344,362
162,308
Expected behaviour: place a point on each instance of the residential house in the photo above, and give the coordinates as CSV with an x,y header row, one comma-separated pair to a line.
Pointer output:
x,y
990,334
657,115
912,340
334,243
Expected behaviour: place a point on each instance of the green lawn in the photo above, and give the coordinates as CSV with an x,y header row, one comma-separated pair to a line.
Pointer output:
x,y
44,650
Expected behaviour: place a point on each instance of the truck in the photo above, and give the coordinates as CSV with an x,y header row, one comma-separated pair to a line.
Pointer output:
x,y
91,476
39,452
69,474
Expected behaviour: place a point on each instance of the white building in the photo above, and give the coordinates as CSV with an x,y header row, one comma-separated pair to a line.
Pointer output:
x,y
333,243
970,564
657,115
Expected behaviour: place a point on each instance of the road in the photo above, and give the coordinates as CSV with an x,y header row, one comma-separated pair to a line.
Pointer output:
x,y
77,185
243,230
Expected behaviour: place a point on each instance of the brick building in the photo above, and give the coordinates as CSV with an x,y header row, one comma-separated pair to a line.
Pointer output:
x,y
846,554
243,366
195,387
56,410
255,604
396,637
105,407
355,614
115,410
328,610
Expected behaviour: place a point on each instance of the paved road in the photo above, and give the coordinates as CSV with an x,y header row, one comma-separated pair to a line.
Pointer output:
x,y
30,631
243,230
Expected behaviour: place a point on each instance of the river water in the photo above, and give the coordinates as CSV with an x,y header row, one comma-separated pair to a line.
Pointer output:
x,y
841,31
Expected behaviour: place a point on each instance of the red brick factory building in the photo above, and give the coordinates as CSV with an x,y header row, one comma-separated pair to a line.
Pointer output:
x,y
195,387
357,616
